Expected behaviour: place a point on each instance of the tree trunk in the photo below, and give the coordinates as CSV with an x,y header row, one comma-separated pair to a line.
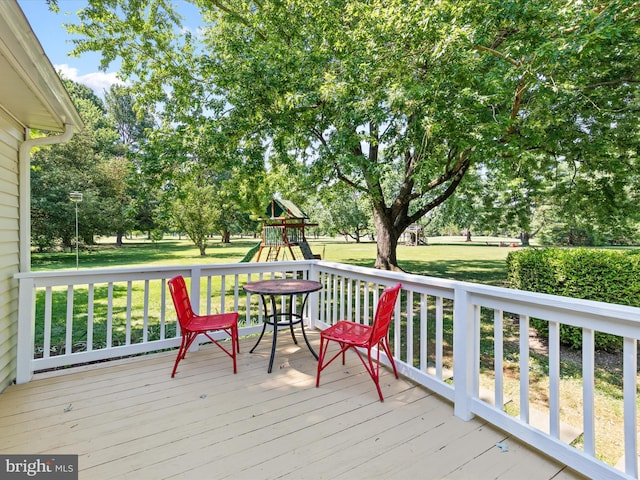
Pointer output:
x,y
525,238
226,237
387,243
468,235
119,236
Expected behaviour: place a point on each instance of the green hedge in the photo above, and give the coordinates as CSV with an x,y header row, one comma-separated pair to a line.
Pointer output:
x,y
611,276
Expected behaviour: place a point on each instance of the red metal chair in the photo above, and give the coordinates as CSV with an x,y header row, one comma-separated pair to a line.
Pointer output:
x,y
192,325
357,336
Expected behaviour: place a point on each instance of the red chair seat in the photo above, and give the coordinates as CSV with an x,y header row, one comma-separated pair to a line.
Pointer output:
x,y
344,331
219,321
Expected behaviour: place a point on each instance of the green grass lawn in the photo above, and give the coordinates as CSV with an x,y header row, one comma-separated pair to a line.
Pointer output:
x,y
445,257
474,262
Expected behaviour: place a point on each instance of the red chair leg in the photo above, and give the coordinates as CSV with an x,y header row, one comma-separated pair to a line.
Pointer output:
x,y
235,346
387,350
321,355
374,372
185,343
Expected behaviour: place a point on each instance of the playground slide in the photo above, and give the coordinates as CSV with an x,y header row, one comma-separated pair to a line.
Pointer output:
x,y
306,251
251,253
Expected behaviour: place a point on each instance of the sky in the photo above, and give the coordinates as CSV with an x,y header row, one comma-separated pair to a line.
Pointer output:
x,y
48,27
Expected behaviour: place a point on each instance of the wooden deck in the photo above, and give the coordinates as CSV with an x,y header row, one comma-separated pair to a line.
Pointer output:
x,y
129,419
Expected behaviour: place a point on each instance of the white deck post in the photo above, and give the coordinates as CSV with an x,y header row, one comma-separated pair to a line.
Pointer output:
x,y
463,348
26,330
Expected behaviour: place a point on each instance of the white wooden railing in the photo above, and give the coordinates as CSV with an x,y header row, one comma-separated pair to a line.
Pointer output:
x,y
111,313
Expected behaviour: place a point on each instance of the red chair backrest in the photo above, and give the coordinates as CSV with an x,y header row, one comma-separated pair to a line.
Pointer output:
x,y
384,313
181,301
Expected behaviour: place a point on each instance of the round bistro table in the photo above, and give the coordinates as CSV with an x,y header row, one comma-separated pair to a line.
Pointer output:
x,y
270,289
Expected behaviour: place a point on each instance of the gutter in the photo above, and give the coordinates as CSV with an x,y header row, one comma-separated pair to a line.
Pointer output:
x,y
24,169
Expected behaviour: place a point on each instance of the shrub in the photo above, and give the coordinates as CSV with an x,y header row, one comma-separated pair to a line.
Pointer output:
x,y
611,276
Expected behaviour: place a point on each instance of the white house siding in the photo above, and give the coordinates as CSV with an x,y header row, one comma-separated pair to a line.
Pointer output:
x,y
11,135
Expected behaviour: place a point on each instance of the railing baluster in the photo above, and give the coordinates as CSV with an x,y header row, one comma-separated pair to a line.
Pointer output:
x,y
47,323
409,337
209,291
236,292
349,300
397,328
630,389
334,303
424,333
475,374
365,301
588,384
554,379
223,291
498,358
163,307
341,299
89,345
357,317
127,340
68,342
439,336
109,340
145,315
524,368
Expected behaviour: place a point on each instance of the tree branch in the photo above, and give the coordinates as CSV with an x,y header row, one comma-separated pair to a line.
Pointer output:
x,y
506,33
239,17
496,53
613,82
455,175
517,101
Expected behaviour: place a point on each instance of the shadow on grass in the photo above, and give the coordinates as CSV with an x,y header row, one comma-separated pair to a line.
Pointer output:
x,y
110,255
488,272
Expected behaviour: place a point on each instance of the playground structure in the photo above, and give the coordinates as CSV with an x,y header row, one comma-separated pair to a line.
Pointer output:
x,y
283,233
414,235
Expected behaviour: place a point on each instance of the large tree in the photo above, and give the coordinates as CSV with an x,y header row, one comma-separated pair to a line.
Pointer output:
x,y
140,199
88,163
367,91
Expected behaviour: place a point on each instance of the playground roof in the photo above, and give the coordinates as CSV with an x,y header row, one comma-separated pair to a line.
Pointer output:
x,y
279,208
414,227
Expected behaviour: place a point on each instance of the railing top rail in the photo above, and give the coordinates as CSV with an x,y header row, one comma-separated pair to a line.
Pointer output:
x,y
553,304
162,271
409,281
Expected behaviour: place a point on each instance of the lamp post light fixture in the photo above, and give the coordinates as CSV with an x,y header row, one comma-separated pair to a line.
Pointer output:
x,y
76,197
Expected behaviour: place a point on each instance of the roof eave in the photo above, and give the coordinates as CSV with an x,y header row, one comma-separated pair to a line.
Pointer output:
x,y
32,92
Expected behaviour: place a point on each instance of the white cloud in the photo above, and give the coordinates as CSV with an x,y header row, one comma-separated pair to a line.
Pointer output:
x,y
97,81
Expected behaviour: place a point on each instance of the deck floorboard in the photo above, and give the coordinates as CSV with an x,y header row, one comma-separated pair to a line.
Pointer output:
x,y
128,419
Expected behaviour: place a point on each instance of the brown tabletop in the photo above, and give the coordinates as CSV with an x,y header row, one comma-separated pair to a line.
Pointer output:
x,y
285,286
